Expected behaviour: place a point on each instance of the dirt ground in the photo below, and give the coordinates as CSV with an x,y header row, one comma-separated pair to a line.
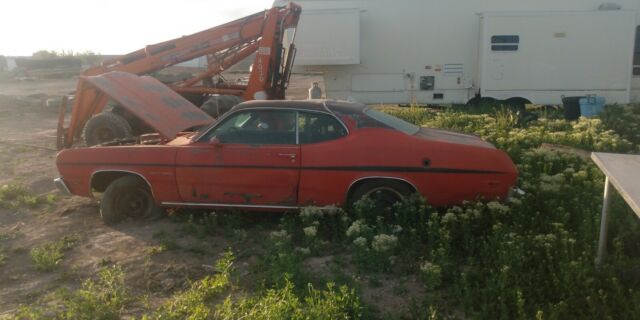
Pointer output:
x,y
27,157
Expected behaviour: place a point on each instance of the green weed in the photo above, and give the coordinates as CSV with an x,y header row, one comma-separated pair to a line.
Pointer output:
x,y
283,303
48,256
104,298
166,241
194,302
15,195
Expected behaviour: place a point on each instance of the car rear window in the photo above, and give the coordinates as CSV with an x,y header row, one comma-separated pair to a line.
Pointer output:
x,y
392,121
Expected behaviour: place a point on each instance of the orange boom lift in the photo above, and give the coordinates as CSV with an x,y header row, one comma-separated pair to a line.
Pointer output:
x,y
262,33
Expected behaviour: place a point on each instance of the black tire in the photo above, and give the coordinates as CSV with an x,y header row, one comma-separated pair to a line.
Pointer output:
x,y
106,127
482,102
517,104
128,197
218,105
385,192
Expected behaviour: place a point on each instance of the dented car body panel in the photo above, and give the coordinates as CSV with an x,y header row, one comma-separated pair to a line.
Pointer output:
x,y
323,149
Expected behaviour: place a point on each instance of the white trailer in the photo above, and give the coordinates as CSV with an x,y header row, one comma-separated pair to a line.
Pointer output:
x,y
452,51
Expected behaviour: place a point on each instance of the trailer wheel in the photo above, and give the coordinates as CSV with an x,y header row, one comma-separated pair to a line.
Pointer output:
x,y
106,127
481,102
518,104
217,105
128,197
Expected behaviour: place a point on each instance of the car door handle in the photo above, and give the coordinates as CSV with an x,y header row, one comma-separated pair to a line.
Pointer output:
x,y
288,155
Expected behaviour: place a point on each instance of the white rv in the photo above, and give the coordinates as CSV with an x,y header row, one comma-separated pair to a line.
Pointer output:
x,y
452,51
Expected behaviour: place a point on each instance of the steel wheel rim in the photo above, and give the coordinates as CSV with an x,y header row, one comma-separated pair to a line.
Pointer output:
x,y
134,204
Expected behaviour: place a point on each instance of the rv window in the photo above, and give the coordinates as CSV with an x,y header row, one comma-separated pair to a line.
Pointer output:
x,y
505,39
636,54
505,43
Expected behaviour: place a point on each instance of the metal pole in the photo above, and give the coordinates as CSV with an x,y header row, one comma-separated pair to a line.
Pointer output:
x,y
604,223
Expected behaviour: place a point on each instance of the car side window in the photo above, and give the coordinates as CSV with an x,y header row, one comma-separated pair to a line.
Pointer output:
x,y
256,127
316,127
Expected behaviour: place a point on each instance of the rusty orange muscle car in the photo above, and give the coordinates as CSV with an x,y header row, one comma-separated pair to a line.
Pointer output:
x,y
275,155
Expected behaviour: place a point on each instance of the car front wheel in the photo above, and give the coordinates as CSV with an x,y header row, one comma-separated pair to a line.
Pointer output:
x,y
128,197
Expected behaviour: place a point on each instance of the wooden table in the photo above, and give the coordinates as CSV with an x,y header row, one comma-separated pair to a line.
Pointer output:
x,y
622,172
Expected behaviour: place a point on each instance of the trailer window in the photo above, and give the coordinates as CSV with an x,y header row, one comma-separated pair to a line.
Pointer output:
x,y
636,54
505,43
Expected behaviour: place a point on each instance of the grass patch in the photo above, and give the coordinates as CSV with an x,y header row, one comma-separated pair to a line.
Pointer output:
x,y
283,303
103,298
166,241
48,256
9,235
15,195
194,302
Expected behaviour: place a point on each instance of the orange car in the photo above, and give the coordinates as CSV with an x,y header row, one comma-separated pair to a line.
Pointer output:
x,y
276,155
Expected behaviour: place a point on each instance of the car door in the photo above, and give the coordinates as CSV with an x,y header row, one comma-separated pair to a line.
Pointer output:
x,y
326,157
251,158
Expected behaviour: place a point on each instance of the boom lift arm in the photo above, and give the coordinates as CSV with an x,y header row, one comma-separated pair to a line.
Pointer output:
x,y
224,46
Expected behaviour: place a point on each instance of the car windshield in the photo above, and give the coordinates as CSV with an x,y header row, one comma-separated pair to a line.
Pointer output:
x,y
392,121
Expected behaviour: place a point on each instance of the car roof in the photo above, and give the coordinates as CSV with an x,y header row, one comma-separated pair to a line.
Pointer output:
x,y
317,105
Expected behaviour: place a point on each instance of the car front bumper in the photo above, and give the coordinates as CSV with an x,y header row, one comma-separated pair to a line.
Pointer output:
x,y
59,182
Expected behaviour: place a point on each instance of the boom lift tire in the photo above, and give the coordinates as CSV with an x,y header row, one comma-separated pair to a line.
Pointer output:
x,y
217,105
106,127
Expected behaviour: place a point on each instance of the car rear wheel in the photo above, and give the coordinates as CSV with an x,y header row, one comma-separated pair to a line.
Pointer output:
x,y
128,197
384,193
106,127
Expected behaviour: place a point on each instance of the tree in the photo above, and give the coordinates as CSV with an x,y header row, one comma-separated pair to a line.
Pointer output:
x,y
44,54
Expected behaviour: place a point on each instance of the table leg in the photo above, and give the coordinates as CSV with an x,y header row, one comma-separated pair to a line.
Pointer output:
x,y
604,223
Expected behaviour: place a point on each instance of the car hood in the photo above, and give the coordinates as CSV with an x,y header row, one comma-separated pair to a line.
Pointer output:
x,y
151,101
452,137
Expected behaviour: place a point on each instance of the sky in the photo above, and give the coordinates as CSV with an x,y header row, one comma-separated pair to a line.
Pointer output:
x,y
110,26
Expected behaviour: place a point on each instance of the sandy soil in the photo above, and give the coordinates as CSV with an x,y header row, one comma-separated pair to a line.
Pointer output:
x,y
27,156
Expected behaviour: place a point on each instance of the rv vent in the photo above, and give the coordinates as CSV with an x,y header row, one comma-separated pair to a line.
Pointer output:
x,y
609,6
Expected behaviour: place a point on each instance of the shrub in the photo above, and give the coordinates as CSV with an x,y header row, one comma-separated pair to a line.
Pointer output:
x,y
283,260
101,299
431,274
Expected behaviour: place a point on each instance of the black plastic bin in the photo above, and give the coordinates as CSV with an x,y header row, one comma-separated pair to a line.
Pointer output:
x,y
571,106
